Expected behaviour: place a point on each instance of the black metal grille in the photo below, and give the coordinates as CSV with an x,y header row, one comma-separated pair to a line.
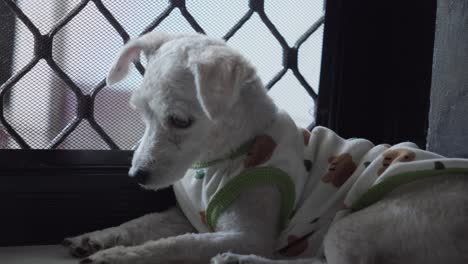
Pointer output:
x,y
88,113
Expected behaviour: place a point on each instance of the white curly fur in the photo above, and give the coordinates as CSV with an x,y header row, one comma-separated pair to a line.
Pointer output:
x,y
198,78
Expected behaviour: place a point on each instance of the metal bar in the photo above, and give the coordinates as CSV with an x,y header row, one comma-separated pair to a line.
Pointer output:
x,y
310,31
62,22
97,89
191,20
57,140
58,102
103,134
139,67
24,18
3,90
158,20
66,131
238,25
71,85
11,131
15,78
273,29
111,19
276,78
304,83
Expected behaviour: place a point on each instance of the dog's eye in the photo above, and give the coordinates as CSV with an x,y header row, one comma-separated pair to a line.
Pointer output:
x,y
179,122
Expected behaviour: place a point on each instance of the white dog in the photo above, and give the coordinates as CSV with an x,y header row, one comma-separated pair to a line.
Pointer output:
x,y
237,165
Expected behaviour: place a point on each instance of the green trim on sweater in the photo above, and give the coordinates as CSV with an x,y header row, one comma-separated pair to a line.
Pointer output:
x,y
248,179
243,149
378,191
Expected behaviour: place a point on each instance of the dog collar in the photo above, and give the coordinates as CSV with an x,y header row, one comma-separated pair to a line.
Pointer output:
x,y
243,149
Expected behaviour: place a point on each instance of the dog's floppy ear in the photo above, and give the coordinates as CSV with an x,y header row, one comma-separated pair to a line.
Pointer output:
x,y
219,74
130,52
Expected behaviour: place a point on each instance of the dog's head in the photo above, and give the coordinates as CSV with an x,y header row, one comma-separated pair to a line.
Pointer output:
x,y
190,86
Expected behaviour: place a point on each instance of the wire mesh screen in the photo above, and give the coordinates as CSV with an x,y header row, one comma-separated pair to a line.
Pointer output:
x,y
55,56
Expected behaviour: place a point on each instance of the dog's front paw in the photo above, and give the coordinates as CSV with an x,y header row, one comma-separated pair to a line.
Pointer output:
x,y
115,255
225,258
87,244
81,246
231,258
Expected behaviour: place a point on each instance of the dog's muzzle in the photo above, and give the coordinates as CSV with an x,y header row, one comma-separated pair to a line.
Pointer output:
x,y
140,176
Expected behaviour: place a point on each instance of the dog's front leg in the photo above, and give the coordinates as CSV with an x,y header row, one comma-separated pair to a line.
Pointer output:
x,y
188,248
248,226
232,258
148,227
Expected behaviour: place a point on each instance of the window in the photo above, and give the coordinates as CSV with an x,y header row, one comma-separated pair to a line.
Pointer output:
x,y
55,96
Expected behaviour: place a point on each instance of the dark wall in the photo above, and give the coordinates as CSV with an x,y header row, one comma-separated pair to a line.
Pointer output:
x,y
448,122
47,195
376,71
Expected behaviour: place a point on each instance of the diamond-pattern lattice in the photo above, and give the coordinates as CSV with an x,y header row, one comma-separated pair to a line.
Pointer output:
x,y
297,103
309,58
24,41
78,104
127,117
217,17
266,52
50,11
175,22
93,41
136,15
289,18
36,119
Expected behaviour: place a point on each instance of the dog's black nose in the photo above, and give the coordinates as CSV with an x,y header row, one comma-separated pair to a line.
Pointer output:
x,y
140,176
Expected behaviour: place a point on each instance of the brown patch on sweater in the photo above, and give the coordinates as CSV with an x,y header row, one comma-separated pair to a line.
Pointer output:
x,y
340,169
306,135
203,217
261,151
395,155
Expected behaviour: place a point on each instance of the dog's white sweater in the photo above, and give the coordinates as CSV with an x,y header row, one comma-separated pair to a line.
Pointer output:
x,y
320,181
207,190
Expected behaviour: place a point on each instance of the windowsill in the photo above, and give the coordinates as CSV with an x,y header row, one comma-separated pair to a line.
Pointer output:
x,y
51,254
